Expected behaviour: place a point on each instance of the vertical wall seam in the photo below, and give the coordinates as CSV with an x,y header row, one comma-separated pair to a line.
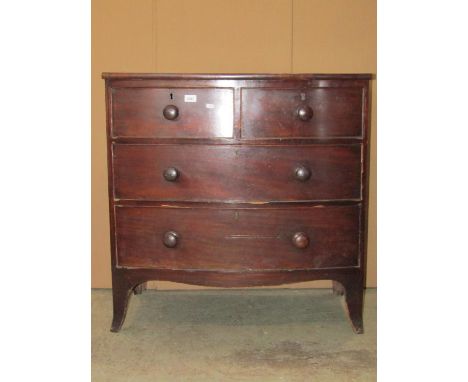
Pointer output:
x,y
292,37
153,32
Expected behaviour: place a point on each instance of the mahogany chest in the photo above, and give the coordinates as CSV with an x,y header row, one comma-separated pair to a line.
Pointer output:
x,y
237,180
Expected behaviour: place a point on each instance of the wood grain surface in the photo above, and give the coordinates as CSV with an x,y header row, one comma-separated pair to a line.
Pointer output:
x,y
238,239
237,173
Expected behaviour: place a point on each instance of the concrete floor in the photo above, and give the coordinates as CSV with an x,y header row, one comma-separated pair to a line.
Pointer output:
x,y
233,335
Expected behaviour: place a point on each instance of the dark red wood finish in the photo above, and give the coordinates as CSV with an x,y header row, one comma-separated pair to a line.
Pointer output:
x,y
238,239
240,173
327,112
142,204
201,113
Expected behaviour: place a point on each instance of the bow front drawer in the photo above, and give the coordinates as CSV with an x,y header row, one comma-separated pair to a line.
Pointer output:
x,y
237,239
328,112
237,173
141,112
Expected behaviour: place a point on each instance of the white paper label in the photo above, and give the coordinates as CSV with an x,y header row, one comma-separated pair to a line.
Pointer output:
x,y
190,98
209,106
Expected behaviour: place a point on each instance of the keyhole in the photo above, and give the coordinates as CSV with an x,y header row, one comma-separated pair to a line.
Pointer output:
x,y
172,96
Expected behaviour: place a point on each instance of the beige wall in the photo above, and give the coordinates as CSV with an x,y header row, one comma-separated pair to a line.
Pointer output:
x,y
275,36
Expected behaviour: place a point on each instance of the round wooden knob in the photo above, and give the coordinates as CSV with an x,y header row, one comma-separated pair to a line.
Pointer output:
x,y
300,240
302,173
304,113
171,174
170,239
171,112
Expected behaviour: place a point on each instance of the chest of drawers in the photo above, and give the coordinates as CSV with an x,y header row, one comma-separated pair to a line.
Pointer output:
x,y
236,180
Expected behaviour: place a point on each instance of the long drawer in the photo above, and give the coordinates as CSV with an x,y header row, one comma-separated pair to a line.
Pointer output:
x,y
237,239
237,173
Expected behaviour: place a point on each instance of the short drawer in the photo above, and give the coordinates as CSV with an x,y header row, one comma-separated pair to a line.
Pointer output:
x,y
237,173
307,113
172,113
237,239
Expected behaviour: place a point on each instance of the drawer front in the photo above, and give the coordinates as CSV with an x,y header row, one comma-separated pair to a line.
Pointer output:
x,y
237,173
172,113
237,239
295,113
